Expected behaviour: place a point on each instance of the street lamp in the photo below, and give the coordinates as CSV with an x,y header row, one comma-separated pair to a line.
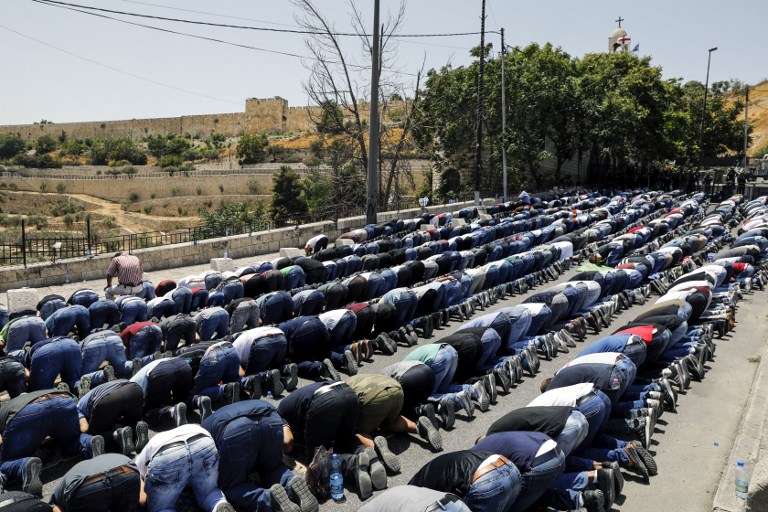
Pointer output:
x,y
704,106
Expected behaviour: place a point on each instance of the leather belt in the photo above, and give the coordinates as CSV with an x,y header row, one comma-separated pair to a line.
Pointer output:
x,y
545,457
442,503
488,467
178,444
586,397
325,389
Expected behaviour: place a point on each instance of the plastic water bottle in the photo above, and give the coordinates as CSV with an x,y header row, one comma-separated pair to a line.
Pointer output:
x,y
742,479
337,480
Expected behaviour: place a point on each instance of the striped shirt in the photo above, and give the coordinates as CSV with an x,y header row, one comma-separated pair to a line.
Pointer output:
x,y
127,268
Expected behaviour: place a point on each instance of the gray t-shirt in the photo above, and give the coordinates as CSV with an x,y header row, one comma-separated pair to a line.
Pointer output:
x,y
409,498
81,471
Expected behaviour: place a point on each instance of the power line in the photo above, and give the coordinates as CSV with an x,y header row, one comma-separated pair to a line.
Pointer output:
x,y
207,38
117,70
246,27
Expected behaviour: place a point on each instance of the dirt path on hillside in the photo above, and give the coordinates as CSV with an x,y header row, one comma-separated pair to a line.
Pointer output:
x,y
132,222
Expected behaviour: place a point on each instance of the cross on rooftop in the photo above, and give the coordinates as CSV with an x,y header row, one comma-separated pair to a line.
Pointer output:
x,y
619,21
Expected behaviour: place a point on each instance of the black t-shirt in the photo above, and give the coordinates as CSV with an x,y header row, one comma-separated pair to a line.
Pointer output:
x,y
73,479
451,472
467,343
549,420
596,373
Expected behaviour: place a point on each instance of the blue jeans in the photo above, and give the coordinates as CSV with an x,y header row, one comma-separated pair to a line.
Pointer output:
x,y
194,464
103,313
145,342
275,307
212,324
183,299
219,364
537,480
48,307
84,298
55,417
59,356
133,310
232,289
565,493
23,330
12,377
66,320
574,432
494,491
104,346
625,370
245,316
490,342
248,444
266,353
596,409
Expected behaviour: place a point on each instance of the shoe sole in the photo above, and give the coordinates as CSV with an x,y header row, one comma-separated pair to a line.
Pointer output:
x,y
429,433
142,435
376,470
364,483
389,459
307,501
31,482
277,383
280,500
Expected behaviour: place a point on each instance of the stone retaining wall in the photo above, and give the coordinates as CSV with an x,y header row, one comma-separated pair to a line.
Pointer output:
x,y
186,254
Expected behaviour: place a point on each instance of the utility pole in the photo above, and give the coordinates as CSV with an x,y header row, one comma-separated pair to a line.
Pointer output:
x,y
371,206
704,107
479,127
503,118
746,128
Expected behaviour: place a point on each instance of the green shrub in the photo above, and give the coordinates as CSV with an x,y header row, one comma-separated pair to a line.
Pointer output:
x,y
148,209
10,145
134,197
13,186
45,144
252,148
199,191
69,220
105,150
253,186
175,192
170,161
221,188
152,195
61,188
44,187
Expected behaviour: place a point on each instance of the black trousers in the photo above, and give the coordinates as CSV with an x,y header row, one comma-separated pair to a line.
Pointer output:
x,y
331,420
122,406
116,491
17,501
417,385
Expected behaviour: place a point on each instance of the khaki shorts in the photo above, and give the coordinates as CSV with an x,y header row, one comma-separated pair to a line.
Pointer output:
x,y
382,408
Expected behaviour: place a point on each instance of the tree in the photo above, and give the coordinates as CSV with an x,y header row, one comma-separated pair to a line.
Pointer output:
x,y
287,201
10,145
103,151
252,148
45,144
317,193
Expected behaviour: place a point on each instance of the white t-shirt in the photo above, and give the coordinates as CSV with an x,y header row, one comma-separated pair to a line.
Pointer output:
x,y
564,397
158,441
243,342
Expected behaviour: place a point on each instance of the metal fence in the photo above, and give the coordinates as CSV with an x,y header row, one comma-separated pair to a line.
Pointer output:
x,y
23,250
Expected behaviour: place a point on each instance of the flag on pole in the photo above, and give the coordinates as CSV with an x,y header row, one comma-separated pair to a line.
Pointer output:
x,y
636,49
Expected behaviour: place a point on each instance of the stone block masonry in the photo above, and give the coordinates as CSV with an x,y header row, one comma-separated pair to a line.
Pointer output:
x,y
187,254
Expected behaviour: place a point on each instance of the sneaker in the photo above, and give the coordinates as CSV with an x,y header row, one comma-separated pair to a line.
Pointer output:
x,y
428,410
124,438
85,385
204,406
593,501
328,372
290,375
389,459
142,435
634,463
385,344
376,470
618,477
489,381
358,468
109,373
414,339
252,386
276,382
447,412
62,386
299,492
30,476
179,414
280,500
503,377
231,393
349,363
465,403
648,461
429,433
223,506
481,396
607,486
97,446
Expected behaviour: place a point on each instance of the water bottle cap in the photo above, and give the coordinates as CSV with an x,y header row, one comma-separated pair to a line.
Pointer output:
x,y
740,462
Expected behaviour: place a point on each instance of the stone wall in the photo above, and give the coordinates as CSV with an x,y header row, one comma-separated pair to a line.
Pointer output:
x,y
180,255
271,115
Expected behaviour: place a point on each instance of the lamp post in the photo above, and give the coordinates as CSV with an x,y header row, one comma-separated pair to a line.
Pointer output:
x,y
704,106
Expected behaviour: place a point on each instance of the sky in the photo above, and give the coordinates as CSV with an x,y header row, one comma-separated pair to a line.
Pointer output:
x,y
63,66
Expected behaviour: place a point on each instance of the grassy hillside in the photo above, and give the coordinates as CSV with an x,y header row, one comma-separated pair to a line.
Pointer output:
x,y
758,117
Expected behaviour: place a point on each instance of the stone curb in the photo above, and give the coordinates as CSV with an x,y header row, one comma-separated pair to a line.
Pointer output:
x,y
747,446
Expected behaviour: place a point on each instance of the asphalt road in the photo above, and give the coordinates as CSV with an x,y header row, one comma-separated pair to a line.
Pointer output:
x,y
692,445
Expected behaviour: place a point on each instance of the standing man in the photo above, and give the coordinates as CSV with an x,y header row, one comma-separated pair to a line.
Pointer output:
x,y
129,273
